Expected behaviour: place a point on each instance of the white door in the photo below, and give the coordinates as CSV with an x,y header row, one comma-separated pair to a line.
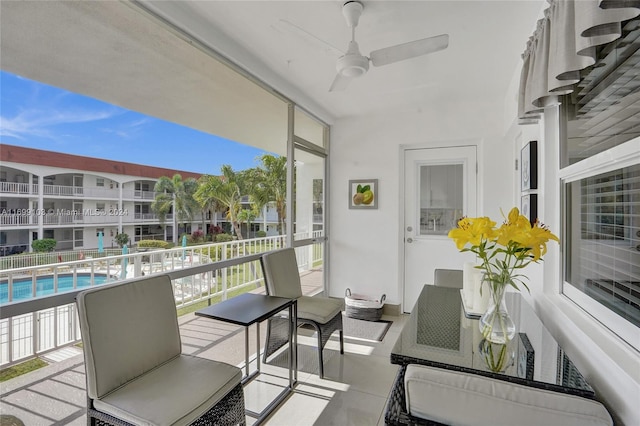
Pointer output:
x,y
439,188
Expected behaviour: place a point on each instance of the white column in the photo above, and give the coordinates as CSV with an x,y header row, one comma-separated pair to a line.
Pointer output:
x,y
40,206
120,206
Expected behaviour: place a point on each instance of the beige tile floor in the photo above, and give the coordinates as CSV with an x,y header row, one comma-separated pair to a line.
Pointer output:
x,y
354,391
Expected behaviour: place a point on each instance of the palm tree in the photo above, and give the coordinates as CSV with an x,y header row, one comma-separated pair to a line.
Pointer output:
x,y
247,216
177,195
211,206
268,182
227,189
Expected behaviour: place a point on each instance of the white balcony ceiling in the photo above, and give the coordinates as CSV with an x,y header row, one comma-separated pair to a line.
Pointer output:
x,y
486,41
109,51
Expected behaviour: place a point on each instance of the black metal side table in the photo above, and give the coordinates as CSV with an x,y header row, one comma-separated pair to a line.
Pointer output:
x,y
247,309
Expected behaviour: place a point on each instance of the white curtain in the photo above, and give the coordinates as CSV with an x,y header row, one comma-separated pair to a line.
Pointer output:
x,y
563,44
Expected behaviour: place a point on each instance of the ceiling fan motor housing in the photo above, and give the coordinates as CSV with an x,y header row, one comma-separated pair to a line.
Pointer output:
x,y
353,65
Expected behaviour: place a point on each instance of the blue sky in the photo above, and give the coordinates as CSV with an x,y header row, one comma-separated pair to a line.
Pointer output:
x,y
36,115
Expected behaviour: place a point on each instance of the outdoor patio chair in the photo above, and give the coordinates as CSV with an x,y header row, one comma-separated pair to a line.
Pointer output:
x,y
135,371
324,314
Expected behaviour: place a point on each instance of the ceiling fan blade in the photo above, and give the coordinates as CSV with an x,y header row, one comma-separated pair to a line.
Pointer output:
x,y
340,83
409,50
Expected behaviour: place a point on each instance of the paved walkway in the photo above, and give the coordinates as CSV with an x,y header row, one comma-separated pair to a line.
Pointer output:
x,y
55,394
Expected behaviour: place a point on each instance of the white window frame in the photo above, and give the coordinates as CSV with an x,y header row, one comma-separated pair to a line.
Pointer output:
x,y
624,155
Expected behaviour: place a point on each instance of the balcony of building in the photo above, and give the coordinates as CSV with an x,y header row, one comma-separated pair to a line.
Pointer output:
x,y
348,393
348,390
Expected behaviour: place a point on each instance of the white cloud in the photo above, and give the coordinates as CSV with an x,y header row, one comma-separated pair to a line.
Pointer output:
x,y
128,130
40,123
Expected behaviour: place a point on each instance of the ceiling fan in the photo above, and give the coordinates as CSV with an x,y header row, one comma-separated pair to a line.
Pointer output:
x,y
353,64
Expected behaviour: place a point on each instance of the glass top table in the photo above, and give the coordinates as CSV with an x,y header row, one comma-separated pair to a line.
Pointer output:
x,y
439,334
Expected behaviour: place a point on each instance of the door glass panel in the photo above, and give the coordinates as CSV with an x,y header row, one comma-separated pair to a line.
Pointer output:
x,y
78,238
441,198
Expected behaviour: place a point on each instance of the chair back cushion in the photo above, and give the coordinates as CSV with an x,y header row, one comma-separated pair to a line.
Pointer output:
x,y
281,274
448,278
454,397
127,329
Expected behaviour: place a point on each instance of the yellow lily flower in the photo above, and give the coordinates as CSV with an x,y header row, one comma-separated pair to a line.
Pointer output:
x,y
472,231
503,250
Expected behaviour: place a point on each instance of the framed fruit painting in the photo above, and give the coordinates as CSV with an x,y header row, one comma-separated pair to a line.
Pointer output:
x,y
363,194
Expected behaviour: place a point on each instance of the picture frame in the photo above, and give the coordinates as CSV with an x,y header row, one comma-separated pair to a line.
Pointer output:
x,y
363,194
525,357
529,166
529,207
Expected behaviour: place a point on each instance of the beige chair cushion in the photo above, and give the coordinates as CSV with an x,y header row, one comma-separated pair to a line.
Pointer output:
x,y
283,280
457,398
127,329
318,309
281,274
175,393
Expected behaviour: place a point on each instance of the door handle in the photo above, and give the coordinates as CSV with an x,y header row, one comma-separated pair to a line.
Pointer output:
x,y
409,240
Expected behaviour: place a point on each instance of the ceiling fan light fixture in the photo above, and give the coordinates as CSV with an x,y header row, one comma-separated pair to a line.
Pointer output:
x,y
352,65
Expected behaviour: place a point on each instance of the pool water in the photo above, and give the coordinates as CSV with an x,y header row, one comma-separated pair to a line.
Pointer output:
x,y
22,288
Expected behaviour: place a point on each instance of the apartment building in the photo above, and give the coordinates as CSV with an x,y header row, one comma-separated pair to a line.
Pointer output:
x,y
71,198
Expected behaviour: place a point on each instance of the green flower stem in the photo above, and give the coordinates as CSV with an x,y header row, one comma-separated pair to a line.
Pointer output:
x,y
499,364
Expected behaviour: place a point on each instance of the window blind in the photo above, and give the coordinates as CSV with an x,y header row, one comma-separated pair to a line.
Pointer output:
x,y
606,250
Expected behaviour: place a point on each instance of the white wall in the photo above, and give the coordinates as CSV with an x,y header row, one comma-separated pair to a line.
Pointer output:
x,y
365,244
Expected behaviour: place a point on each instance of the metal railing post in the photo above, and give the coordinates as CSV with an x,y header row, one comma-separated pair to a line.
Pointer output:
x,y
224,273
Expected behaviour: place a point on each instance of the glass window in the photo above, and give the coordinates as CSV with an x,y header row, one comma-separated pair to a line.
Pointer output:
x,y
441,198
309,195
604,241
99,181
601,188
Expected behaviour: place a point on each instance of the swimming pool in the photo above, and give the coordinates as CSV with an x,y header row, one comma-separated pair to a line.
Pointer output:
x,y
22,287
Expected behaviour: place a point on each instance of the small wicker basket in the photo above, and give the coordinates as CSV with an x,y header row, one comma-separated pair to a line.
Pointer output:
x,y
362,307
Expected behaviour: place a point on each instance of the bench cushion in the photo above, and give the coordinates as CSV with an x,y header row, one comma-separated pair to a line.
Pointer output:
x,y
453,397
175,393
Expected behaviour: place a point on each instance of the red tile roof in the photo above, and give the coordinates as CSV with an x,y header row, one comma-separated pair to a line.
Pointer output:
x,y
18,154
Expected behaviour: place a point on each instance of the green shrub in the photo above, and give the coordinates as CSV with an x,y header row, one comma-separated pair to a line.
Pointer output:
x,y
261,234
44,245
122,239
154,244
223,238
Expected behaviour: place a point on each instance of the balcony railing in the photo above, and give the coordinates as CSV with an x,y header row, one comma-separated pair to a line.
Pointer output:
x,y
9,218
38,313
81,191
17,188
146,217
138,194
